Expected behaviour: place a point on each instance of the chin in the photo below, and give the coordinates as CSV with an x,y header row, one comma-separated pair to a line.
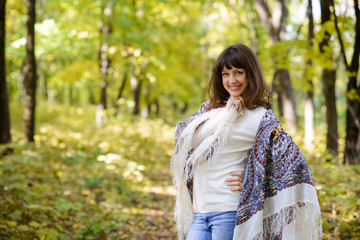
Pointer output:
x,y
235,94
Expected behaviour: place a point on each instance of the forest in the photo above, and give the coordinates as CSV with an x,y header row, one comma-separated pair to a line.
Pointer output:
x,y
91,91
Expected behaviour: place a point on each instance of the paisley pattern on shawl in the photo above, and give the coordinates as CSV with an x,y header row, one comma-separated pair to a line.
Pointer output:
x,y
276,170
274,164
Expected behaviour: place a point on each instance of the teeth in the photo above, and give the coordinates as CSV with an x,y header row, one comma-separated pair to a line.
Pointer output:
x,y
233,87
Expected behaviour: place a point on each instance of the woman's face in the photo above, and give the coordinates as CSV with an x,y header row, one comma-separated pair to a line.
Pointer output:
x,y
234,80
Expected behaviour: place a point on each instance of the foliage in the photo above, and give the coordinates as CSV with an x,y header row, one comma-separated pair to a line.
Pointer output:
x,y
338,192
82,181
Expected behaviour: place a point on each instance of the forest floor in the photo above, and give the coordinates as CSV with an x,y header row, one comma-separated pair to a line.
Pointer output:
x,y
83,181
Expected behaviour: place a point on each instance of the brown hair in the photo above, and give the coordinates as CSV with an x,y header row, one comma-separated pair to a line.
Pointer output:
x,y
257,92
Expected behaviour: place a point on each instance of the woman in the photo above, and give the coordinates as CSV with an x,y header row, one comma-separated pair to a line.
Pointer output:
x,y
235,131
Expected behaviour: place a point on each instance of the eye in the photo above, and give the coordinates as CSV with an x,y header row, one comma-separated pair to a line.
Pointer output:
x,y
225,74
239,72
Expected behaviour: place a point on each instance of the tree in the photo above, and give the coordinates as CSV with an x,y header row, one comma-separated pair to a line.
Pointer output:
x,y
275,25
328,79
352,143
30,74
5,135
309,104
105,33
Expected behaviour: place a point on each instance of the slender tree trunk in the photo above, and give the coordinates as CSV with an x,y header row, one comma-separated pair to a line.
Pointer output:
x,y
122,88
30,75
275,25
157,107
352,142
287,98
124,81
309,104
105,31
146,110
136,85
275,89
5,135
328,79
103,95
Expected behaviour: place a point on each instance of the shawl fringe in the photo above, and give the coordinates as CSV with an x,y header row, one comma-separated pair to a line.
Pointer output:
x,y
185,158
299,221
279,198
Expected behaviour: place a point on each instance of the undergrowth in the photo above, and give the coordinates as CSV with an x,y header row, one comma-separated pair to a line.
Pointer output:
x,y
79,180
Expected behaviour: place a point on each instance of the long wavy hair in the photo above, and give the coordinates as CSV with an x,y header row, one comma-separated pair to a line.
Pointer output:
x,y
257,92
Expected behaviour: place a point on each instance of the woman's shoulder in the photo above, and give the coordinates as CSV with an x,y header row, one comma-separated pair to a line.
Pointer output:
x,y
259,111
256,115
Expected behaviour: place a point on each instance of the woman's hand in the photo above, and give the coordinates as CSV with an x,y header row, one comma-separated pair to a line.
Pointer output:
x,y
235,180
238,102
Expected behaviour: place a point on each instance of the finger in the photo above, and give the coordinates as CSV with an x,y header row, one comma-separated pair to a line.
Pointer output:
x,y
238,173
237,184
236,189
241,105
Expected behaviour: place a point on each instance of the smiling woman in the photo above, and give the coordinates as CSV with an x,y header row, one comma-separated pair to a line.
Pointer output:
x,y
235,148
238,67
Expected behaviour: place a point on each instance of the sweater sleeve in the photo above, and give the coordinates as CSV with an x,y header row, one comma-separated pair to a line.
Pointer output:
x,y
204,130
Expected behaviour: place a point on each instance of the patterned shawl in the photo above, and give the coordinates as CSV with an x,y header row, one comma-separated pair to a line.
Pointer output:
x,y
278,200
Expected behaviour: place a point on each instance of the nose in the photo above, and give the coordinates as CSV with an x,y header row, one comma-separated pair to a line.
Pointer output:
x,y
232,79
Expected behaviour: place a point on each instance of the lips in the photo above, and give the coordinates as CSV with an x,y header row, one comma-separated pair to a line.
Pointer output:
x,y
235,88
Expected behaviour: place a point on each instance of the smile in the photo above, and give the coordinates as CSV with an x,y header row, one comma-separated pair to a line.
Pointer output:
x,y
235,88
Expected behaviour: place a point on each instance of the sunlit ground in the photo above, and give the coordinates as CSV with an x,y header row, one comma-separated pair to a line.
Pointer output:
x,y
83,181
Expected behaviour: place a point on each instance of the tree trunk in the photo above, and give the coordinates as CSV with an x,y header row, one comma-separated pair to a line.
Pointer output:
x,y
105,31
122,88
5,135
146,110
275,25
103,101
124,81
352,142
287,98
328,80
136,85
309,103
30,75
157,107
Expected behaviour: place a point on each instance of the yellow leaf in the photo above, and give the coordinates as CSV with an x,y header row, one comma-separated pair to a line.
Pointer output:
x,y
12,223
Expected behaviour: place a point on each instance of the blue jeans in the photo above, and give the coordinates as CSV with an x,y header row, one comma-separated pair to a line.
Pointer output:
x,y
212,226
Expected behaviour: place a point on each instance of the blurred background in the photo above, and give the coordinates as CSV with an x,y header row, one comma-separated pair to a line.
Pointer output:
x,y
91,92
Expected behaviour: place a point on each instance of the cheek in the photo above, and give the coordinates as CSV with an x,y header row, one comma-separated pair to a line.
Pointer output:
x,y
224,83
246,82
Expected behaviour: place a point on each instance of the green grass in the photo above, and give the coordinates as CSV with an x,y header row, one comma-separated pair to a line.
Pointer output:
x,y
83,181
